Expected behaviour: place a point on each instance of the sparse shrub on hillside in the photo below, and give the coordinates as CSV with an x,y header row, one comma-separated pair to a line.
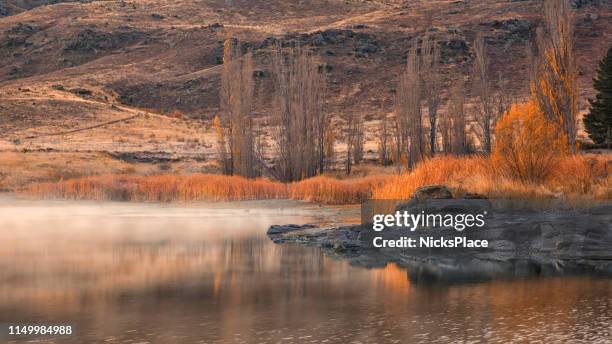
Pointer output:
x,y
129,170
164,166
528,146
176,114
90,40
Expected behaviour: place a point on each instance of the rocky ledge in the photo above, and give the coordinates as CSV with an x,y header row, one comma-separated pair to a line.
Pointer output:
x,y
522,241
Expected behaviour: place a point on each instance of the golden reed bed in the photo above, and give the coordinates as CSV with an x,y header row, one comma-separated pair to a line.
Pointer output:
x,y
574,177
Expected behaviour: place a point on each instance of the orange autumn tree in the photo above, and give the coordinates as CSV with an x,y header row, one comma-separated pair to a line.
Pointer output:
x,y
527,144
555,83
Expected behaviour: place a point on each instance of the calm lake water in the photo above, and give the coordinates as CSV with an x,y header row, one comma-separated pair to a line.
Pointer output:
x,y
130,273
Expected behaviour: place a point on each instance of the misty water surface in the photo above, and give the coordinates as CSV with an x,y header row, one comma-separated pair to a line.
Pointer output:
x,y
145,273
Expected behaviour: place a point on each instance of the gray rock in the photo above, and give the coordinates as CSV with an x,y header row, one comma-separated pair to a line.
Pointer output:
x,y
281,229
433,192
522,242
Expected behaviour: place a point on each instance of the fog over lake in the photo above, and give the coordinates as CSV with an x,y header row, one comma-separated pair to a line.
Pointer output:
x,y
207,273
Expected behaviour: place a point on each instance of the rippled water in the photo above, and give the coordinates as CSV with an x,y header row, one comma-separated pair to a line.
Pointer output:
x,y
129,273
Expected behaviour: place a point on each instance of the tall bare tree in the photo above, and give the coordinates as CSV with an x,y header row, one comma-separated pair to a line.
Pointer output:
x,y
408,111
445,128
235,125
456,111
483,90
301,121
355,140
351,133
221,134
503,99
555,85
323,122
359,139
399,138
383,141
491,94
328,146
430,71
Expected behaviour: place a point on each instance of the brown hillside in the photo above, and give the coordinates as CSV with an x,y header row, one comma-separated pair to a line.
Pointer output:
x,y
71,65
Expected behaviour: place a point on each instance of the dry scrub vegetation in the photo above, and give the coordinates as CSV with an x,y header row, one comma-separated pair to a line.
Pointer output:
x,y
573,177
205,187
160,188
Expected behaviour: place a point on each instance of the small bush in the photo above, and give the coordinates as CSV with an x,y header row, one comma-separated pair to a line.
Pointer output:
x,y
164,166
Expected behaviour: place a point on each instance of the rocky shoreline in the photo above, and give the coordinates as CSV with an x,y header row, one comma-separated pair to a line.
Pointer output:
x,y
522,242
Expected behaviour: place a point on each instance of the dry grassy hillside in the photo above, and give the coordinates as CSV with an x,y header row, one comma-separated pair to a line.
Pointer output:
x,y
150,68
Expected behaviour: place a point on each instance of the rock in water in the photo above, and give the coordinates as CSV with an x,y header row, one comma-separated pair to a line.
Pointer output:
x,y
280,229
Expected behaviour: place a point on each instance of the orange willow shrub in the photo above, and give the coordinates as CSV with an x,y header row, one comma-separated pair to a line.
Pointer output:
x,y
335,191
453,171
527,145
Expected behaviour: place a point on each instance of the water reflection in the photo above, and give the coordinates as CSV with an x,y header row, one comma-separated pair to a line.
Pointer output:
x,y
186,274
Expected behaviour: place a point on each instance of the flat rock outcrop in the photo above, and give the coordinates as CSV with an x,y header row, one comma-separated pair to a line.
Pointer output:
x,y
521,242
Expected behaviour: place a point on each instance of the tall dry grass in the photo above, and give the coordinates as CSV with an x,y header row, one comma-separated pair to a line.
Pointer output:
x,y
160,188
574,177
204,187
440,170
330,190
584,175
